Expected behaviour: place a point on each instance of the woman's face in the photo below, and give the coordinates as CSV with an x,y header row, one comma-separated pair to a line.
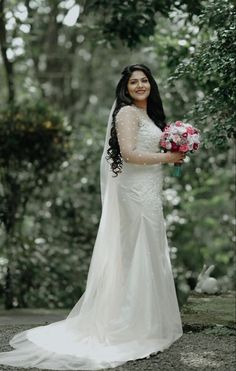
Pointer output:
x,y
138,86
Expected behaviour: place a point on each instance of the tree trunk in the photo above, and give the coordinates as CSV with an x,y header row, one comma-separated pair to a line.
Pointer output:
x,y
8,290
7,63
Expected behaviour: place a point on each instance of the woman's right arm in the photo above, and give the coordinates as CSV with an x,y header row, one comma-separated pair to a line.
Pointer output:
x,y
127,129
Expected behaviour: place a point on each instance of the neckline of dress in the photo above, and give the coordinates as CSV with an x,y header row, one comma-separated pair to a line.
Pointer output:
x,y
140,109
145,114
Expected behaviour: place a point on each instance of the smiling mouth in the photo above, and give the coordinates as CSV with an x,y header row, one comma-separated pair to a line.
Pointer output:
x,y
140,91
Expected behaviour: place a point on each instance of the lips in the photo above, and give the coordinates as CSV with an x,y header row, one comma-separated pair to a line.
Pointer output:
x,y
140,91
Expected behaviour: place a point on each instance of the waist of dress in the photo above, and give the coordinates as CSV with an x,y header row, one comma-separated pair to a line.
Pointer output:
x,y
133,173
137,168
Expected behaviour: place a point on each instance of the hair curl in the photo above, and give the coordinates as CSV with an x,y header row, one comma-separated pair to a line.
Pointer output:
x,y
154,110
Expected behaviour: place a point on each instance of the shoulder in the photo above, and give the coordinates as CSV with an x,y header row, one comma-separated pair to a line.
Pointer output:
x,y
127,112
127,108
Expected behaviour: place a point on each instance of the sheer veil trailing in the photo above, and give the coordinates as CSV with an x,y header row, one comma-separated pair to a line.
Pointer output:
x,y
105,173
103,275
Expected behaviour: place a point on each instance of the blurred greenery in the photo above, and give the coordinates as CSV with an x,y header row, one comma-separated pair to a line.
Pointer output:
x,y
212,68
60,62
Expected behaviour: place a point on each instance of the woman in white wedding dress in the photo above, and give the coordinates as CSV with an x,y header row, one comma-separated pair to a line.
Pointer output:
x,y
129,309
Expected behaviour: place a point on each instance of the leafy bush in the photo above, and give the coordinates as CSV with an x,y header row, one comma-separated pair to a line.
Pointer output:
x,y
32,132
34,140
212,67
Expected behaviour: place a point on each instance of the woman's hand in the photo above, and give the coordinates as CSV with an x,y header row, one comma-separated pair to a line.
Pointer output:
x,y
175,157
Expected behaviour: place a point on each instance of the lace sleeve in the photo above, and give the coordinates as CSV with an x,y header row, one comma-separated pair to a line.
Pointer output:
x,y
127,129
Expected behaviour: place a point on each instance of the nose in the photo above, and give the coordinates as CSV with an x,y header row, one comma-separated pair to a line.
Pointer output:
x,y
140,84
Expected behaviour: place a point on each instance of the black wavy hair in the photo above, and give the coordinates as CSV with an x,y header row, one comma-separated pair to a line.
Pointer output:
x,y
154,110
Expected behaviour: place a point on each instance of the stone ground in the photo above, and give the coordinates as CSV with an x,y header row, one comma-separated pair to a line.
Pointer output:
x,y
208,343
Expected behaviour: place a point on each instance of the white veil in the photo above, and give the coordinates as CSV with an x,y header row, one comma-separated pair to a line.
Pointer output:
x,y
105,173
105,267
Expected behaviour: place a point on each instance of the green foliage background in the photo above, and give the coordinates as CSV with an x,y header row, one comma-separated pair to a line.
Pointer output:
x,y
51,197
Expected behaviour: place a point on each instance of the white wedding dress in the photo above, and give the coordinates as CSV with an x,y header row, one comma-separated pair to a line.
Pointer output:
x,y
129,309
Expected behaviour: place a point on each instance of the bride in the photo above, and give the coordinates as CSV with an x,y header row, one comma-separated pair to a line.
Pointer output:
x,y
129,309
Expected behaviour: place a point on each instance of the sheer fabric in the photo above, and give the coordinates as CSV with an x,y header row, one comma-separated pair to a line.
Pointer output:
x,y
131,146
129,309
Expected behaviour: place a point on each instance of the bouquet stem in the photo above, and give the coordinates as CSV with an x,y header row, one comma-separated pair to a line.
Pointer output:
x,y
177,170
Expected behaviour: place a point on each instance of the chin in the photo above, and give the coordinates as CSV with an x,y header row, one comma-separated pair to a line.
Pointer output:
x,y
140,98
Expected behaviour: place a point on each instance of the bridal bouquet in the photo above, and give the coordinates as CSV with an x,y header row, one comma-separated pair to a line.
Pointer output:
x,y
180,137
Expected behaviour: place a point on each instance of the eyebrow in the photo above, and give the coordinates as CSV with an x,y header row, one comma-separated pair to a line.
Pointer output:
x,y
144,77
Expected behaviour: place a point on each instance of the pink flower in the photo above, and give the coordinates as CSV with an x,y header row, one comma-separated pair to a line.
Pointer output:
x,y
184,148
190,130
178,123
180,136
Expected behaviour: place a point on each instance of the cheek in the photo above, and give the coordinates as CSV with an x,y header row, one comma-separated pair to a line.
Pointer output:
x,y
130,90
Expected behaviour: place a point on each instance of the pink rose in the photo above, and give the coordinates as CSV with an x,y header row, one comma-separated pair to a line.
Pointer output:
x,y
190,130
178,123
184,135
184,148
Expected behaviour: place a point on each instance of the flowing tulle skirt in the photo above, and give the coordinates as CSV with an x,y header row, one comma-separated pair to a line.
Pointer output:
x,y
129,309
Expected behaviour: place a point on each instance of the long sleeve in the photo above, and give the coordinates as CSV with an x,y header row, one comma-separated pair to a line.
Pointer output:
x,y
127,129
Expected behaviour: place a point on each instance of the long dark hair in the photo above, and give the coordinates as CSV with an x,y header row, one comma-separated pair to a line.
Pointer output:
x,y
154,110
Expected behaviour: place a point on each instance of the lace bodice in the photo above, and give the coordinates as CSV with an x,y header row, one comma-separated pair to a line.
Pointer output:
x,y
148,135
141,175
138,136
